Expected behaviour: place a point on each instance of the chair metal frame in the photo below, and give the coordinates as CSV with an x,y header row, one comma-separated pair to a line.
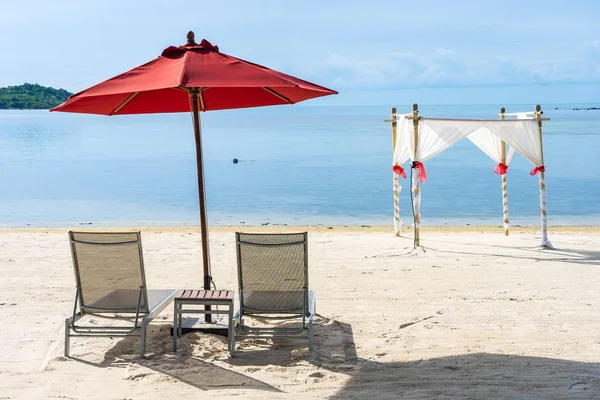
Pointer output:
x,y
80,309
308,306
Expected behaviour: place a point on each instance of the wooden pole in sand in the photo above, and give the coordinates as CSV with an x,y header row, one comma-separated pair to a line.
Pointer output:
x,y
504,185
415,180
195,98
542,178
397,226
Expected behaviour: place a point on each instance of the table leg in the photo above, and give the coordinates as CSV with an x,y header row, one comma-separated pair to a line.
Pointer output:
x,y
180,313
231,332
175,327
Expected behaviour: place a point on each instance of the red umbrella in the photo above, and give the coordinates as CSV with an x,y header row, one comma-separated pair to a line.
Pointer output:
x,y
194,77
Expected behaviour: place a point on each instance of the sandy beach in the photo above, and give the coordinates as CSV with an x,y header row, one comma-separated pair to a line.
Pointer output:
x,y
472,314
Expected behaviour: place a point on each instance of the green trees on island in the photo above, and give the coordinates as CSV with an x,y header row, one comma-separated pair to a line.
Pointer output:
x,y
31,96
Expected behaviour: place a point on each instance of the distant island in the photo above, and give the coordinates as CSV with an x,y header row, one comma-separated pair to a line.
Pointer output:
x,y
31,97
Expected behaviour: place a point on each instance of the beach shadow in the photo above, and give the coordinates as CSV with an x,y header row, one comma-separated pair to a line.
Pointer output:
x,y
467,376
585,257
203,361
569,256
200,372
333,343
474,376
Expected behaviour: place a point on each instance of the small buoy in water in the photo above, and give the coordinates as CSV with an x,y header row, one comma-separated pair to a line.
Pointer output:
x,y
235,160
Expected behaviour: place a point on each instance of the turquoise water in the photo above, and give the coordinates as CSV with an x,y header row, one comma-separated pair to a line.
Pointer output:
x,y
298,165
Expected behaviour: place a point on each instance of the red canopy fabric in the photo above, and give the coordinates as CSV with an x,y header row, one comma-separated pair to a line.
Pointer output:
x,y
161,86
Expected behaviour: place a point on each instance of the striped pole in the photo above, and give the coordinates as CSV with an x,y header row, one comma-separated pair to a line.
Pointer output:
x,y
504,185
397,221
415,180
545,242
505,204
397,187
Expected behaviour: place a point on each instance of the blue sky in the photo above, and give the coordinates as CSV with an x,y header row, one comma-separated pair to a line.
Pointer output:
x,y
373,52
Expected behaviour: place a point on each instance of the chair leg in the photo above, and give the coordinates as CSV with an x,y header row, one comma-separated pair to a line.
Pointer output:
x,y
67,337
310,336
175,327
312,311
231,333
143,350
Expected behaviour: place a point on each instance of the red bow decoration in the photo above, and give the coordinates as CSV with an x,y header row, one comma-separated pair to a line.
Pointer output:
x,y
537,169
501,169
422,174
399,171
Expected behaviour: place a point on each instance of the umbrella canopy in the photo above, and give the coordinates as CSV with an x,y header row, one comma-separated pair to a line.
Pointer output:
x,y
194,77
163,85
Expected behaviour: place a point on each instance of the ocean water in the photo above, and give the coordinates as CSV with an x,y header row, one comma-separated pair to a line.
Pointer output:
x,y
297,165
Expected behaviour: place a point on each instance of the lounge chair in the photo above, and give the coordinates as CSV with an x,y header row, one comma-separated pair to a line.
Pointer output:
x,y
273,282
109,272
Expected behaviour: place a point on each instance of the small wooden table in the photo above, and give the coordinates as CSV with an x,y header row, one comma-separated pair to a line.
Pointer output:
x,y
203,298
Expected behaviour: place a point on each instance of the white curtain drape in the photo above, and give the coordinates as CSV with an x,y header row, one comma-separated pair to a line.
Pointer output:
x,y
490,144
436,136
404,140
520,134
524,136
401,156
525,115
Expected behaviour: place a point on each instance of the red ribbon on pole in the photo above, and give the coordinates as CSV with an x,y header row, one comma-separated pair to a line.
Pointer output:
x,y
537,169
501,169
399,170
422,174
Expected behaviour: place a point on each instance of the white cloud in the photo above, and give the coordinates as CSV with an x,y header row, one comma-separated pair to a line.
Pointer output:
x,y
352,72
445,67
441,53
408,54
594,45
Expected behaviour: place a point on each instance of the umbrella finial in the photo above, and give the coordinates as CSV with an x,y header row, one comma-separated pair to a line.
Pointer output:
x,y
190,37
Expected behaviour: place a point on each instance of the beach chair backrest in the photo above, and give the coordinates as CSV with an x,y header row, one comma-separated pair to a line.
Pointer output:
x,y
273,271
109,271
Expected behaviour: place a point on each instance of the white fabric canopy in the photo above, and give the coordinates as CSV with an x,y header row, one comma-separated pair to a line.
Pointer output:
x,y
436,135
490,144
404,140
522,135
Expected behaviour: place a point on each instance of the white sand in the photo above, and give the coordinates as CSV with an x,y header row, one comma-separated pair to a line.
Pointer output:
x,y
475,315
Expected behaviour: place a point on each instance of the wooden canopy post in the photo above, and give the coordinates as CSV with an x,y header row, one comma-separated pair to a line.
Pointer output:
x,y
504,185
397,223
415,175
542,178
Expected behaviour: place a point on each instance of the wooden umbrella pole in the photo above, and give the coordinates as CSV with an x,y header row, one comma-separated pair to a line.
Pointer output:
x,y
397,223
194,97
415,180
504,185
542,179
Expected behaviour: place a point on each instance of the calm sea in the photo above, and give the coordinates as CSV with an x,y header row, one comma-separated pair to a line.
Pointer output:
x,y
297,165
